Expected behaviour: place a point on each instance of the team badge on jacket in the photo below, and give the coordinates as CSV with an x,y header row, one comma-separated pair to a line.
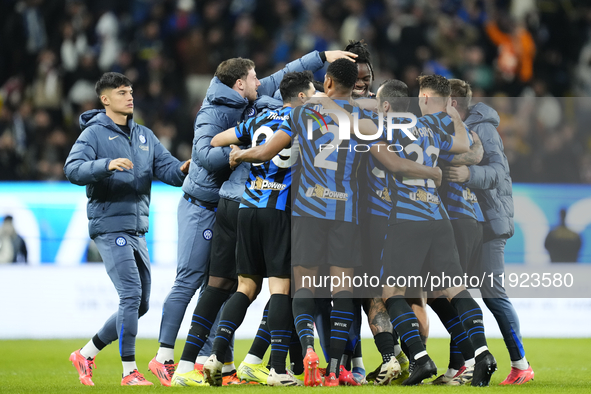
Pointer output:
x,y
142,138
120,241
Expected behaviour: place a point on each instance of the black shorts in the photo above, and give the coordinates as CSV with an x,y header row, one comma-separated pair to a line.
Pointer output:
x,y
317,242
222,263
468,235
264,242
373,234
421,248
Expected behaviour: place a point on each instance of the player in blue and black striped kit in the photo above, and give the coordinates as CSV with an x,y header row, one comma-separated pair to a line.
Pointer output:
x,y
466,219
326,205
420,241
263,235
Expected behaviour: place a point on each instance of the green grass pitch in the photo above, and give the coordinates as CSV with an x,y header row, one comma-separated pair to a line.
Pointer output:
x,y
42,366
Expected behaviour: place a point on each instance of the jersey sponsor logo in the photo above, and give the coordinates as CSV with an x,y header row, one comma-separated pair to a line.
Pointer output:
x,y
120,241
112,138
421,195
263,184
384,194
469,196
207,234
142,138
322,192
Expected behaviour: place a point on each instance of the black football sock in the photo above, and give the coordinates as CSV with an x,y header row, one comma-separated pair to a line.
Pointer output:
x,y
424,340
450,319
303,307
280,327
232,317
262,340
385,344
341,318
295,352
405,322
471,317
204,315
100,345
456,360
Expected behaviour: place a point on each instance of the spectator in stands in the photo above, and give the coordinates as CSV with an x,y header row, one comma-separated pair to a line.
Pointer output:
x,y
13,248
562,243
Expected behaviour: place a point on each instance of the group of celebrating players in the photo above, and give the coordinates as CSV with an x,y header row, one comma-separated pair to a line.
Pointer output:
x,y
274,191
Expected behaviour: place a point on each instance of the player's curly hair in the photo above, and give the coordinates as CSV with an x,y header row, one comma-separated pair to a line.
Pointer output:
x,y
437,83
294,83
343,72
461,92
231,70
363,56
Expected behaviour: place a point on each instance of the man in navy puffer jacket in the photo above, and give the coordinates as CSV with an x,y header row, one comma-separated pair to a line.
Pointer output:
x,y
234,95
491,181
116,159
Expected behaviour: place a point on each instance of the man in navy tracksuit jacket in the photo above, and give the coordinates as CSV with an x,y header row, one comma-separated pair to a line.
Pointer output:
x,y
234,95
116,159
491,181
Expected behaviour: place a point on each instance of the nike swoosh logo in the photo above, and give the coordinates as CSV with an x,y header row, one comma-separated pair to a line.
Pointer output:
x,y
112,138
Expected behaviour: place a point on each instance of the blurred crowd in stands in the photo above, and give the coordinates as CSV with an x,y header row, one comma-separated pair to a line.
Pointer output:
x,y
522,54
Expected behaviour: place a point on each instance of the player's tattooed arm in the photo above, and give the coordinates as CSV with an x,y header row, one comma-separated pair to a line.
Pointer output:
x,y
225,138
473,156
261,153
405,167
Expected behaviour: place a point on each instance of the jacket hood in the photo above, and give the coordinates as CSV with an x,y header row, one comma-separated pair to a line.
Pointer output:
x,y
99,117
481,113
220,94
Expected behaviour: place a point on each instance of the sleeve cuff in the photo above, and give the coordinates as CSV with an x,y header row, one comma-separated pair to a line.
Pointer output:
x,y
322,56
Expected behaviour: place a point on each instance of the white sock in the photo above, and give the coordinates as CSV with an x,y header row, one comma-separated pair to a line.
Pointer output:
x,y
470,362
252,359
480,350
357,362
520,364
450,373
185,366
89,350
420,354
228,367
165,354
128,367
201,359
397,350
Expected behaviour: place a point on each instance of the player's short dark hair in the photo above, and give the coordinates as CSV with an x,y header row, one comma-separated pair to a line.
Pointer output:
x,y
343,72
461,92
319,86
111,80
363,56
295,82
396,93
437,83
231,70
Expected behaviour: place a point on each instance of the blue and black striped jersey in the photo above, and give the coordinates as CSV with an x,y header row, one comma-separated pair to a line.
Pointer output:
x,y
269,184
459,200
417,199
328,185
375,189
